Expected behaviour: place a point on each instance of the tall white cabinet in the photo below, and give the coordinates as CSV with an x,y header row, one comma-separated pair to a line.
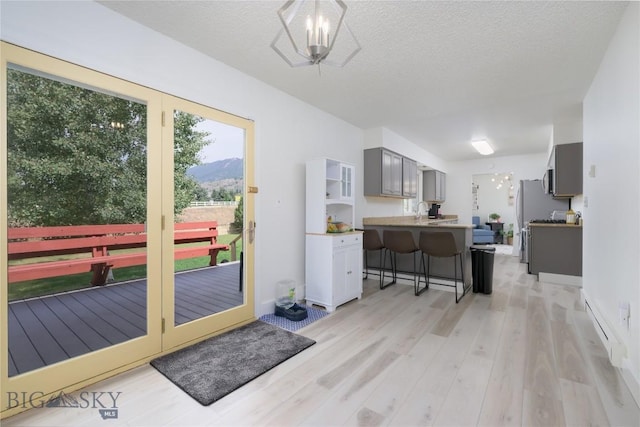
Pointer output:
x,y
333,261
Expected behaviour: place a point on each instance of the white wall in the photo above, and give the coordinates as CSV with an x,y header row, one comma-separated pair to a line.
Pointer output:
x,y
611,253
492,199
460,177
288,131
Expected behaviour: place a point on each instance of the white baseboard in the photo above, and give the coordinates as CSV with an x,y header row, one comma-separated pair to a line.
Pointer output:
x,y
616,349
560,279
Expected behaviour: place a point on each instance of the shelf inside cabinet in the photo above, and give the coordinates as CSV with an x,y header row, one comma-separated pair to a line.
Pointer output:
x,y
333,170
338,202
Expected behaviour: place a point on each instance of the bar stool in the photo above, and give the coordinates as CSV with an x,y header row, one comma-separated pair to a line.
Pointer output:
x,y
440,244
371,242
398,242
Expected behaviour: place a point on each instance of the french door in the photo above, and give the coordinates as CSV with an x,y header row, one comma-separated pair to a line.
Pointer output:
x,y
88,158
197,301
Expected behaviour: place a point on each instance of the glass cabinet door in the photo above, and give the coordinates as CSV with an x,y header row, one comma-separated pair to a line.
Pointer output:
x,y
346,182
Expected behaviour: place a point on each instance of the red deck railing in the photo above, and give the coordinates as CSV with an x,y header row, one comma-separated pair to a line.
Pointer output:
x,y
93,245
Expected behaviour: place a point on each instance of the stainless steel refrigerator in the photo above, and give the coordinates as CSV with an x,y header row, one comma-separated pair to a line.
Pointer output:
x,y
532,202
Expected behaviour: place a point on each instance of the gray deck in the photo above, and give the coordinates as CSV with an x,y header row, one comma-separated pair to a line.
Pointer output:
x,y
49,329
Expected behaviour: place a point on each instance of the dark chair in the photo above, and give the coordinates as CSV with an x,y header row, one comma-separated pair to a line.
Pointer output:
x,y
398,242
440,244
371,242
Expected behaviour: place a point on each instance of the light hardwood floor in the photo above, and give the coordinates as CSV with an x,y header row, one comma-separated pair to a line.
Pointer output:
x,y
525,355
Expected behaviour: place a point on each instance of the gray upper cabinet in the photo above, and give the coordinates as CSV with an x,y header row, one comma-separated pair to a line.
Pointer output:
x,y
434,186
409,178
383,173
567,171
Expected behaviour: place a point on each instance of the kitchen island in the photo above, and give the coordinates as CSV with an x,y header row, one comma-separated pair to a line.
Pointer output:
x,y
441,268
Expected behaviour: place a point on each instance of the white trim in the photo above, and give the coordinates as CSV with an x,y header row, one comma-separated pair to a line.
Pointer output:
x,y
616,350
560,279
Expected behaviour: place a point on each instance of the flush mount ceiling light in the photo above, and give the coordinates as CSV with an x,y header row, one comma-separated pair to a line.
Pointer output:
x,y
482,146
312,27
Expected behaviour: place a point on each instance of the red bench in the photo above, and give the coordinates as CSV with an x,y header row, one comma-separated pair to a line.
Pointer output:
x,y
96,242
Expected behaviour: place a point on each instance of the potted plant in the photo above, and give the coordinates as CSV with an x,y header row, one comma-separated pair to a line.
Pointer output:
x,y
508,234
494,217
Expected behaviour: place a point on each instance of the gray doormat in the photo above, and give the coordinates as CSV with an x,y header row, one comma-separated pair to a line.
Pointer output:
x,y
215,367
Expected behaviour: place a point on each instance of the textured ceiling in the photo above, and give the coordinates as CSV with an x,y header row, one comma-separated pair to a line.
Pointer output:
x,y
437,73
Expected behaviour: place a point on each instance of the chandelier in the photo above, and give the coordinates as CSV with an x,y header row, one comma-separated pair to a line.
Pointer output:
x,y
308,25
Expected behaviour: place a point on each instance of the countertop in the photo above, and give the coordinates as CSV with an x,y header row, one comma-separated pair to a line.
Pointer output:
x,y
538,224
411,221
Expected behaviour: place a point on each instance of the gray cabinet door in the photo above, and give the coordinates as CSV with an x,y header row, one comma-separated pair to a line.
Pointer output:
x,y
555,249
567,174
382,173
409,177
434,186
391,173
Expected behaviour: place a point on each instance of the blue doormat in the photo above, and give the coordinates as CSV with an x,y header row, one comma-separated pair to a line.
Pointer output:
x,y
313,314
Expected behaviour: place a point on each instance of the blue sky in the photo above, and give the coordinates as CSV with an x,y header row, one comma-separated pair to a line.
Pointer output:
x,y
225,141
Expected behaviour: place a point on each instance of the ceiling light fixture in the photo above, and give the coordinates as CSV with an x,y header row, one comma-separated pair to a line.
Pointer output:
x,y
482,146
309,29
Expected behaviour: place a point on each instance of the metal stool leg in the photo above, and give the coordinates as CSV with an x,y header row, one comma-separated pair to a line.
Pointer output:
x,y
381,266
366,264
455,278
423,269
393,270
465,289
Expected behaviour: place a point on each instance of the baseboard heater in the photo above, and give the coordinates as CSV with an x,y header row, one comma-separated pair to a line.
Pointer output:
x,y
617,351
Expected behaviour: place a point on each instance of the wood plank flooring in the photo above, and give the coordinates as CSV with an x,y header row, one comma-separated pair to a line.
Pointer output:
x,y
525,355
49,329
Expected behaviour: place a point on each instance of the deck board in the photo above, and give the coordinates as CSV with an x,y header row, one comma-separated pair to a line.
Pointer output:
x,y
48,348
65,337
26,357
49,329
105,314
89,336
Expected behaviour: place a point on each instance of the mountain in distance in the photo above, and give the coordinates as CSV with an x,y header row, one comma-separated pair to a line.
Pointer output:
x,y
218,170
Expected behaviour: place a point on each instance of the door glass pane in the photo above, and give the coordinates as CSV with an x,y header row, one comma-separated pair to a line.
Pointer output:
x,y
77,191
208,197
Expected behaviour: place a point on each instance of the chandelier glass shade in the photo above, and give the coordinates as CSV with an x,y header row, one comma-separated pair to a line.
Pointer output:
x,y
311,28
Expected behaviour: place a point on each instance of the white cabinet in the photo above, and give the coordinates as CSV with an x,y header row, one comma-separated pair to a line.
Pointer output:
x,y
333,268
329,193
333,261
434,186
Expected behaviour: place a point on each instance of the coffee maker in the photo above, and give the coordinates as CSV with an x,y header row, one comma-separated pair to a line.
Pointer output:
x,y
434,210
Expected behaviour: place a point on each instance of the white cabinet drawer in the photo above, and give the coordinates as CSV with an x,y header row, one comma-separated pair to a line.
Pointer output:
x,y
347,240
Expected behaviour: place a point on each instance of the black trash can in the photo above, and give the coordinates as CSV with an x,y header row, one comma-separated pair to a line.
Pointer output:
x,y
482,268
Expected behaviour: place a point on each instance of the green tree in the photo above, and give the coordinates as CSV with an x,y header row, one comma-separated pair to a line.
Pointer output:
x,y
222,194
200,194
187,144
238,218
77,156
